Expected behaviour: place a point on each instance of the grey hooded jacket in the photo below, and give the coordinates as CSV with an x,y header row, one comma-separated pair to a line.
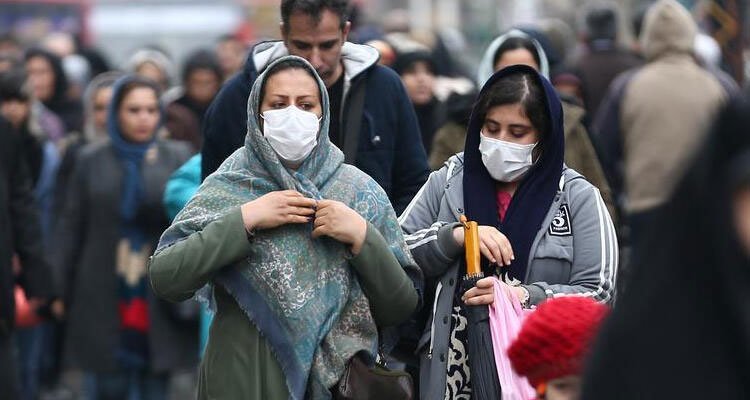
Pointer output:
x,y
576,254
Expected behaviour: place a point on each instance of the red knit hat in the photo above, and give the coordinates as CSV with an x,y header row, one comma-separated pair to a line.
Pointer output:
x,y
555,338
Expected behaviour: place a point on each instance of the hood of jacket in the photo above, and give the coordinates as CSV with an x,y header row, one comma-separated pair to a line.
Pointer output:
x,y
487,65
356,58
668,29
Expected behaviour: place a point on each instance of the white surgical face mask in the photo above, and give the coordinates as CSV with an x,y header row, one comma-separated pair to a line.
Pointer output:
x,y
506,161
291,132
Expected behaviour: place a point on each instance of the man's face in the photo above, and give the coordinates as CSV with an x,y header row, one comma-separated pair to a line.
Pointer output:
x,y
318,42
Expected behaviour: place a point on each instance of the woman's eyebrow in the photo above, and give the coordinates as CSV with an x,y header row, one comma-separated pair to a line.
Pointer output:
x,y
519,126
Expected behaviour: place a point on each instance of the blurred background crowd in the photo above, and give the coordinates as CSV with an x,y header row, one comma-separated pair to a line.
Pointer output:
x,y
59,60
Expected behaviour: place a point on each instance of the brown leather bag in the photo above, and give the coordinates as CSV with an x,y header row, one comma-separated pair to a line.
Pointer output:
x,y
363,382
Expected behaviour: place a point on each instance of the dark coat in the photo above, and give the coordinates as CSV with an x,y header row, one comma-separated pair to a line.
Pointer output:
x,y
681,329
84,259
389,147
598,67
20,231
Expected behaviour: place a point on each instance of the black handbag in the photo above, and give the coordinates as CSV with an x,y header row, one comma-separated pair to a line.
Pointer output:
x,y
364,382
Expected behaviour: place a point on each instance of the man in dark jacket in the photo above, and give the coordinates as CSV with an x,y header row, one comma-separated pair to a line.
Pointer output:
x,y
381,137
603,59
20,233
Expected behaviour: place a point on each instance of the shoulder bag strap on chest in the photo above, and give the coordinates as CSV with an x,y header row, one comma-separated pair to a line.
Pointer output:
x,y
354,122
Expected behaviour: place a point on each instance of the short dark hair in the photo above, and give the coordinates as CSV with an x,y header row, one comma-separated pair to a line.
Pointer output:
x,y
515,43
601,22
291,63
13,86
314,8
519,88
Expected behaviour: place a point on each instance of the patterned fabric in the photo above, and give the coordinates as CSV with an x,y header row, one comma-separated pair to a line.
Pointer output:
x,y
300,293
132,251
132,304
458,381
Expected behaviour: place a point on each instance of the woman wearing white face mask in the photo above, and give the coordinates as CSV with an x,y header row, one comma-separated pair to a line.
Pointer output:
x,y
544,230
302,254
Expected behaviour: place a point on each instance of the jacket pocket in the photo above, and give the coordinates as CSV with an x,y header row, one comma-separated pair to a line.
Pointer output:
x,y
553,260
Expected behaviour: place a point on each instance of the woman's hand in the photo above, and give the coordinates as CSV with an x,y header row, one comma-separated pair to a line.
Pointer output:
x,y
482,293
338,221
515,293
276,209
493,244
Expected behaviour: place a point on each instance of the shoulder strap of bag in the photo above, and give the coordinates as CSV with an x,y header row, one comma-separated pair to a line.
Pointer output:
x,y
354,122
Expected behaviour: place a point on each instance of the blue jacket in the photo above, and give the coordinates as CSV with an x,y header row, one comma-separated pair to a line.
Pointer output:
x,y
389,147
182,185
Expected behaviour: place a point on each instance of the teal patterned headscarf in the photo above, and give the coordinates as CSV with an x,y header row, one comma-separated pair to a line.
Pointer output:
x,y
300,293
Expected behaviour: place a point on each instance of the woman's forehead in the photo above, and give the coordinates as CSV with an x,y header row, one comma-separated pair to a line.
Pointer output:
x,y
292,82
506,114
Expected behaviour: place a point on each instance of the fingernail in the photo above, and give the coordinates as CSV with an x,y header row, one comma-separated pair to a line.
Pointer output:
x,y
494,261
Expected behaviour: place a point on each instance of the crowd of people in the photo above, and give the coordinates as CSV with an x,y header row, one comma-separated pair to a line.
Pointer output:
x,y
249,230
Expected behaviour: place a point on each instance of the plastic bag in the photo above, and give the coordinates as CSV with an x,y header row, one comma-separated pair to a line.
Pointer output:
x,y
506,318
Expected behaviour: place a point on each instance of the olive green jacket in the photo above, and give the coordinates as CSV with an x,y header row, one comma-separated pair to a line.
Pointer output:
x,y
238,363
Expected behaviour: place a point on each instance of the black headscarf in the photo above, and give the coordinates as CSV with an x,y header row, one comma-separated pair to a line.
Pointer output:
x,y
69,110
533,198
682,330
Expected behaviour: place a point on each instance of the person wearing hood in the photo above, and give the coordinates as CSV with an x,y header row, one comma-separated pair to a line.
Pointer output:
x,y
517,47
50,86
152,64
125,340
654,118
96,100
415,66
372,120
304,266
544,229
601,58
201,81
680,330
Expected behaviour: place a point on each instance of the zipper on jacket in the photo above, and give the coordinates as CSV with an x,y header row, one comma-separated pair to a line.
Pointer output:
x,y
434,317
